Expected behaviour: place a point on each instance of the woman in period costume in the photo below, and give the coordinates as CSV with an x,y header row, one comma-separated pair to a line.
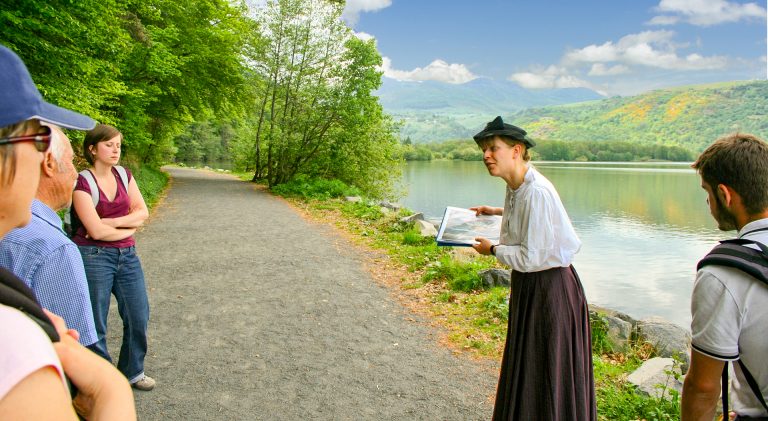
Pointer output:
x,y
546,370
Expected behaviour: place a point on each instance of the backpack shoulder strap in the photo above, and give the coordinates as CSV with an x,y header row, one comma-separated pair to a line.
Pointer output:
x,y
735,254
92,185
123,175
752,384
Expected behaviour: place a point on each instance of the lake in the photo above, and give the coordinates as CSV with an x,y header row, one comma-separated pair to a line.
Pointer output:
x,y
643,226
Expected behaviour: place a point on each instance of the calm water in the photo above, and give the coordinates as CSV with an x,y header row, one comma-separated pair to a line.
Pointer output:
x,y
643,226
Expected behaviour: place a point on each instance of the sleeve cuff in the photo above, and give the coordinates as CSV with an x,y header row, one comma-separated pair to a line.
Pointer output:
x,y
717,356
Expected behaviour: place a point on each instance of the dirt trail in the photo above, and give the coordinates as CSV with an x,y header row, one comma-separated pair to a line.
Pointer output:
x,y
257,315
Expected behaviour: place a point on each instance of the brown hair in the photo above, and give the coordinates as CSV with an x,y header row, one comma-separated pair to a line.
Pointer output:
x,y
739,161
508,140
7,152
100,133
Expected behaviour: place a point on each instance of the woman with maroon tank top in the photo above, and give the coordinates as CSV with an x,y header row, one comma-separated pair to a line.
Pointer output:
x,y
108,248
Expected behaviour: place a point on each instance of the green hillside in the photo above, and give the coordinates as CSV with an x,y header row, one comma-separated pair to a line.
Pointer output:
x,y
690,116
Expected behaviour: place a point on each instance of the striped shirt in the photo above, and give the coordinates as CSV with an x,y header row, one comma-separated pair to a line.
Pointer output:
x,y
42,256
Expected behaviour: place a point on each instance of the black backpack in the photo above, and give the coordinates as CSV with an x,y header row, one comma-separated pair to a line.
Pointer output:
x,y
735,254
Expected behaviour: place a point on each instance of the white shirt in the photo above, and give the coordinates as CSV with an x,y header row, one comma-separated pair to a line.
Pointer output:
x,y
536,233
730,318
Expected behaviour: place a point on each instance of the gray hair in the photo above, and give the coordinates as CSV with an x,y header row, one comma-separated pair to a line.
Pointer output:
x,y
57,146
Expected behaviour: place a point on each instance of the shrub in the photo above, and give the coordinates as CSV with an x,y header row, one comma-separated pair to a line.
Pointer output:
x,y
459,276
314,188
413,237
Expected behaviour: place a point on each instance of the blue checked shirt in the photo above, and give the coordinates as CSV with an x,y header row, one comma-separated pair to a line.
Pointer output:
x,y
42,256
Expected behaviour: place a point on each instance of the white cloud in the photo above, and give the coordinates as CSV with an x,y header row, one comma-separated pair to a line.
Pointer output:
x,y
438,70
364,36
663,20
707,12
649,48
353,8
553,77
600,69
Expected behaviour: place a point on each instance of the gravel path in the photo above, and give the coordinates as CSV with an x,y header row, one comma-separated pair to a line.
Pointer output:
x,y
258,315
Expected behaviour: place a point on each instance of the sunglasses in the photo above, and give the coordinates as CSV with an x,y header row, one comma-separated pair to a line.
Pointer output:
x,y
42,140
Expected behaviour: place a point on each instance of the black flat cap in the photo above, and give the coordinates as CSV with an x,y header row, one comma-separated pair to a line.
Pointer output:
x,y
498,127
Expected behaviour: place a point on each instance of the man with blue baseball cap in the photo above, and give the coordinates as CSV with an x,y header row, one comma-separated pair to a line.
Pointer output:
x,y
39,253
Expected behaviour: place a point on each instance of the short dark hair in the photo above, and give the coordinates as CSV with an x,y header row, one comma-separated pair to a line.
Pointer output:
x,y
509,141
100,133
739,161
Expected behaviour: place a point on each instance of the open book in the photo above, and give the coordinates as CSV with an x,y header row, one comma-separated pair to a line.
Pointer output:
x,y
460,227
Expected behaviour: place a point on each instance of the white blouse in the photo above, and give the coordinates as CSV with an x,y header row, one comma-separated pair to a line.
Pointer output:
x,y
536,233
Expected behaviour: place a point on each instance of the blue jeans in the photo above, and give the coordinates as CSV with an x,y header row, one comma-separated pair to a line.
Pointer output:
x,y
117,271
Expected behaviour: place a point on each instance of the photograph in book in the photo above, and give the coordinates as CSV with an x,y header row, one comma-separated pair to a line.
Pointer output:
x,y
461,226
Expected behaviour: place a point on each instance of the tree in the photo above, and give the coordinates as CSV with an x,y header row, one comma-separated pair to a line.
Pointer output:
x,y
147,67
315,113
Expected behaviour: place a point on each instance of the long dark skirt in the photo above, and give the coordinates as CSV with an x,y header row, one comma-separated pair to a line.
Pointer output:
x,y
546,371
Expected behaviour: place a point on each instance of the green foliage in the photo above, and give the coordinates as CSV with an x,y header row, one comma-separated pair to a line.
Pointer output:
x,y
315,113
619,400
600,342
146,67
413,237
496,303
314,188
205,143
416,153
460,276
362,210
152,183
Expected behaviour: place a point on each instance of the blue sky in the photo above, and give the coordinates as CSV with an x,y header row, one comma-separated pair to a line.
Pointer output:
x,y
617,47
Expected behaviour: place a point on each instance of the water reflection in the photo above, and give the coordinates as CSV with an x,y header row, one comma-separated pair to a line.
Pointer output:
x,y
643,226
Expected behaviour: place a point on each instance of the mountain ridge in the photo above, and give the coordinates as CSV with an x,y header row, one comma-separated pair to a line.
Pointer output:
x,y
691,116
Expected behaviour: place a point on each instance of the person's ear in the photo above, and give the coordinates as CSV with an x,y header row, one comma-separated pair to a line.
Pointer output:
x,y
725,195
49,166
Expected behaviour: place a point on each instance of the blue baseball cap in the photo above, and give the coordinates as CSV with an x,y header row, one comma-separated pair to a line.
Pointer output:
x,y
20,100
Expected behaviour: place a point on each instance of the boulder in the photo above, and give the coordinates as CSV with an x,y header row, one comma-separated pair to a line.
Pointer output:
x,y
619,333
495,278
669,339
412,218
614,313
353,198
620,327
656,377
391,206
425,228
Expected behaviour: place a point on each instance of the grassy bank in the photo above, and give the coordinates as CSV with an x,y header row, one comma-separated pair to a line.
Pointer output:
x,y
152,183
445,285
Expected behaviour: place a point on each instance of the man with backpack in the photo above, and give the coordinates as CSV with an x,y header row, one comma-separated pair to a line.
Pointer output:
x,y
42,256
730,296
